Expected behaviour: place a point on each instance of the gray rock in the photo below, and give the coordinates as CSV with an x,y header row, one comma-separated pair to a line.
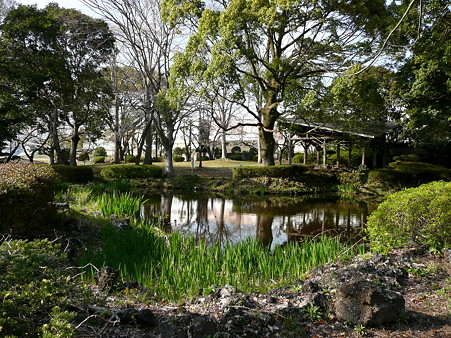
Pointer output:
x,y
146,317
367,303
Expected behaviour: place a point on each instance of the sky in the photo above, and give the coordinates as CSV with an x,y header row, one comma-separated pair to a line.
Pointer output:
x,y
62,3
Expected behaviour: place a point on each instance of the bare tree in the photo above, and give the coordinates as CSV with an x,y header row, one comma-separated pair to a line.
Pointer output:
x,y
150,47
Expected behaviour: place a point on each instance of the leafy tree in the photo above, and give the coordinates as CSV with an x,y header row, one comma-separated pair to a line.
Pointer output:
x,y
267,47
425,79
52,69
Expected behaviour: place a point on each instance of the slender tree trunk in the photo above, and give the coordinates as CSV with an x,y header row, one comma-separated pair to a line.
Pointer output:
x,y
117,136
223,145
141,142
148,154
73,146
269,116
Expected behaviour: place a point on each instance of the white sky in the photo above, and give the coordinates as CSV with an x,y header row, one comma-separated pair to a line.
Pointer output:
x,y
62,3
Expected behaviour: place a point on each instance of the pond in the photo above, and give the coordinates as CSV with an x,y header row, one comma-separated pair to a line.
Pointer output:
x,y
272,221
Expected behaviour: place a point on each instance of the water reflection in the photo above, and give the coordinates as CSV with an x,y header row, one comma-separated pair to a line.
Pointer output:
x,y
272,221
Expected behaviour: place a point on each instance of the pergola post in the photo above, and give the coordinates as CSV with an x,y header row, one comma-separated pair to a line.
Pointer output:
x,y
324,153
349,154
363,157
338,154
375,153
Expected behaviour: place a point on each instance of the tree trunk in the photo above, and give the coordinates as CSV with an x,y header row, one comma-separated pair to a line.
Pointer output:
x,y
269,116
148,154
73,146
117,136
223,145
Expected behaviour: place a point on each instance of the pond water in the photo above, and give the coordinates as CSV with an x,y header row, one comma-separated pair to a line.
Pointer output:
x,y
272,221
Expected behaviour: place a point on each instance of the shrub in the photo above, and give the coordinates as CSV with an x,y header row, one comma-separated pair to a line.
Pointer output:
x,y
99,151
74,174
35,289
99,159
26,193
130,158
407,157
408,174
255,158
119,172
84,156
236,150
280,171
178,151
157,159
205,158
178,159
298,158
421,215
236,157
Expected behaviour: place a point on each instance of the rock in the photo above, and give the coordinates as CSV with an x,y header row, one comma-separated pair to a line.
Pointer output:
x,y
120,223
203,326
226,291
106,278
447,255
61,206
367,303
146,317
126,316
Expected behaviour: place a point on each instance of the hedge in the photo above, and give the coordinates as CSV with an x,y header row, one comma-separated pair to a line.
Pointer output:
x,y
279,171
408,174
26,194
99,159
119,172
74,174
419,215
130,158
178,159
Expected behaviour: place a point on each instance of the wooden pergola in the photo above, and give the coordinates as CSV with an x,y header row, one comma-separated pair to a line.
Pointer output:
x,y
320,136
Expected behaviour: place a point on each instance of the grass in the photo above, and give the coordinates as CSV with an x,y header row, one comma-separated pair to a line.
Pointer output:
x,y
120,204
175,267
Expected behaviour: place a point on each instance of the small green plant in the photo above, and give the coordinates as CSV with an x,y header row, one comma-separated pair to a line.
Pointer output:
x,y
59,325
313,313
291,323
403,318
360,329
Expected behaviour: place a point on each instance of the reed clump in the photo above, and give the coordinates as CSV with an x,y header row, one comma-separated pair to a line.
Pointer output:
x,y
174,267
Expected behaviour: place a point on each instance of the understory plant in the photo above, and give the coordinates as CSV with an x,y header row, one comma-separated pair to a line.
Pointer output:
x,y
174,267
420,216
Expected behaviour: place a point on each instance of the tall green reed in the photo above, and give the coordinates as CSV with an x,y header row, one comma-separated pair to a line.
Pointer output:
x,y
124,204
175,267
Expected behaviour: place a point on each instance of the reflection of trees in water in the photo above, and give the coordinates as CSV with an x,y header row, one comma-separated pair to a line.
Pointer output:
x,y
218,220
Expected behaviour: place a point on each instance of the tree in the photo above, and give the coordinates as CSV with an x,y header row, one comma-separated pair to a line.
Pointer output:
x,y
425,84
52,61
150,47
273,45
5,7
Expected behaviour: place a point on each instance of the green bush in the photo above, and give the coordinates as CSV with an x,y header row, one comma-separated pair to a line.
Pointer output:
x,y
420,215
279,171
35,289
99,151
205,158
157,159
26,194
407,158
408,174
298,158
84,156
119,172
255,158
178,159
236,157
99,159
236,150
74,174
130,158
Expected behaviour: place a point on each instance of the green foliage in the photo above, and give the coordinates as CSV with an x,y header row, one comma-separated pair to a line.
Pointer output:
x,y
99,151
84,156
74,174
421,215
236,157
313,313
408,174
119,172
99,159
407,158
175,267
120,204
178,151
26,193
298,158
35,289
178,159
236,150
130,158
280,171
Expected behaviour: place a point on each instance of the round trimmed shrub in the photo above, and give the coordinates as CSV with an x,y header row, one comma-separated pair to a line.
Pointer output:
x,y
236,157
130,158
74,174
99,159
419,215
120,172
84,156
99,151
178,159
